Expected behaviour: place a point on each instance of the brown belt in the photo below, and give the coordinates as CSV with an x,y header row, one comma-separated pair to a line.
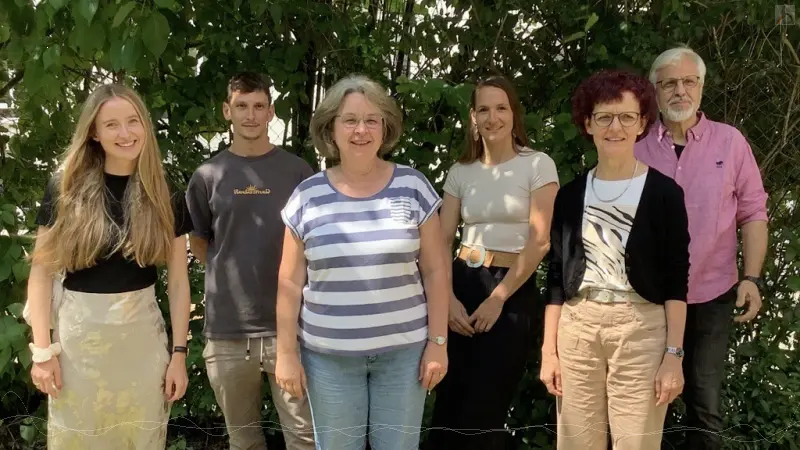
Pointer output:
x,y
479,256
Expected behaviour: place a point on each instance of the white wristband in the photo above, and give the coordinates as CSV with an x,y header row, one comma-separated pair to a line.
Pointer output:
x,y
40,355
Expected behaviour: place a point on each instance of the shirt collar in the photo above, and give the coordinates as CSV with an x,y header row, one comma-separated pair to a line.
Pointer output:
x,y
695,132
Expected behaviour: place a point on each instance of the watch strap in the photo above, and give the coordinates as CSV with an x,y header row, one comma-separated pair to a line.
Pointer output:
x,y
438,340
755,280
677,351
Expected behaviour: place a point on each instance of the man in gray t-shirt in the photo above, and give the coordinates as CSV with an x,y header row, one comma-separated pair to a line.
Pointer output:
x,y
235,199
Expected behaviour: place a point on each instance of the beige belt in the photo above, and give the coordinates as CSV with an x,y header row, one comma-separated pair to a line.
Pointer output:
x,y
479,256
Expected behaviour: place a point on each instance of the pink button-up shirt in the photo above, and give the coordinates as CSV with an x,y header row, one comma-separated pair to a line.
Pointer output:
x,y
722,188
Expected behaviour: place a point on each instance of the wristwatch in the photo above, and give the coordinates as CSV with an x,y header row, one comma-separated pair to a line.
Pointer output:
x,y
756,280
438,340
677,351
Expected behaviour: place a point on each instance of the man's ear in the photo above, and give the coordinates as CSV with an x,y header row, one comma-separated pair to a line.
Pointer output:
x,y
226,110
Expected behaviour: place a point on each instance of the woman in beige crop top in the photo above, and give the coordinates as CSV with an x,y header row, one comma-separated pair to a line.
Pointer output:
x,y
503,194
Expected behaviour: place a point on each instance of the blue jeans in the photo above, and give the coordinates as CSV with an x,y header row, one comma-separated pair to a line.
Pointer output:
x,y
353,397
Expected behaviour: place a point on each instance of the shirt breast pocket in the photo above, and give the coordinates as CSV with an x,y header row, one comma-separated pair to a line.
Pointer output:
x,y
401,211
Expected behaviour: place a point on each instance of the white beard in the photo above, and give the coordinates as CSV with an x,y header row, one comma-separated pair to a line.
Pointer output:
x,y
679,115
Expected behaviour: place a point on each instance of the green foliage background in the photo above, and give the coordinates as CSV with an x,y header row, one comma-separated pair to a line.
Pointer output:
x,y
179,54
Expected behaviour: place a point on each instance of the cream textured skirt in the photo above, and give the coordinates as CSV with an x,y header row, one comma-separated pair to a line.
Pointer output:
x,y
113,363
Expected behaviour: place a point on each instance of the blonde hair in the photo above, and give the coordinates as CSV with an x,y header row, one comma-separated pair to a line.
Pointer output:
x,y
83,230
321,127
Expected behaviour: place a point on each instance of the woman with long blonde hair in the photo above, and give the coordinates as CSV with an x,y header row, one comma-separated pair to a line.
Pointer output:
x,y
106,222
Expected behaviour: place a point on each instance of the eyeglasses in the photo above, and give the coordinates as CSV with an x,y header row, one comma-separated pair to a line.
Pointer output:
x,y
669,84
626,119
350,122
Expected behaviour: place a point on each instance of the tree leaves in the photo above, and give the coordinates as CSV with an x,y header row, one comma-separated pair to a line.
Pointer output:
x,y
51,56
590,21
122,13
167,4
155,33
57,4
87,9
575,36
5,32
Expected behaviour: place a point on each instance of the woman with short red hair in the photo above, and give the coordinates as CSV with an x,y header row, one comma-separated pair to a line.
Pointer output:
x,y
617,279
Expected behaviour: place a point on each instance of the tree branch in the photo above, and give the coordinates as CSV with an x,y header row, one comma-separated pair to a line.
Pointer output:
x,y
12,82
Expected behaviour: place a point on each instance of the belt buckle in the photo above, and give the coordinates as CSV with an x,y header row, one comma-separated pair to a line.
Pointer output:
x,y
482,252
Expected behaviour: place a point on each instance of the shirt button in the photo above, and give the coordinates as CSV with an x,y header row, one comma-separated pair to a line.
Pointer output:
x,y
679,167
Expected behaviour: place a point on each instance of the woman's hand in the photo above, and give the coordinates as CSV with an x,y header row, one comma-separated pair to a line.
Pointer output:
x,y
433,366
290,375
176,381
46,376
550,373
669,380
484,318
458,319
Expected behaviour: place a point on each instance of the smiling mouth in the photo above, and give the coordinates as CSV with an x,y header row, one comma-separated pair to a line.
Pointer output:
x,y
127,145
615,139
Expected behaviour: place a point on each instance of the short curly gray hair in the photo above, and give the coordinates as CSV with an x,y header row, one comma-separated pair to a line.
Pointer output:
x,y
321,127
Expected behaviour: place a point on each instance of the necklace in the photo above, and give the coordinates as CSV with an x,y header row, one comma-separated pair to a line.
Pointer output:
x,y
630,180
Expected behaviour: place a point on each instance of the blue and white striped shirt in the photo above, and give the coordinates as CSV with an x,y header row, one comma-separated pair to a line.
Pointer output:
x,y
364,292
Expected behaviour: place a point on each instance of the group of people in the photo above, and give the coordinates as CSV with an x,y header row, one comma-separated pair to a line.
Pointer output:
x,y
345,289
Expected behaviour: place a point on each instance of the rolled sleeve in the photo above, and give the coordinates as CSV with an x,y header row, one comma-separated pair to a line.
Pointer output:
x,y
750,194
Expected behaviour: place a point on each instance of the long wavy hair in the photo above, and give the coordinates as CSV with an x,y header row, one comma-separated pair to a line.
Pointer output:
x,y
83,230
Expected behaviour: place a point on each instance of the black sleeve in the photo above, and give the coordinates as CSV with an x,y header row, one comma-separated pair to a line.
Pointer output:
x,y
555,282
46,216
197,202
677,240
183,220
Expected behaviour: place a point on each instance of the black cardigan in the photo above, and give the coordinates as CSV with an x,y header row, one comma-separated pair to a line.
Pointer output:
x,y
656,253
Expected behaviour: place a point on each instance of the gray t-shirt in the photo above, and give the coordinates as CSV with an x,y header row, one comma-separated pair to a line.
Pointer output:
x,y
235,203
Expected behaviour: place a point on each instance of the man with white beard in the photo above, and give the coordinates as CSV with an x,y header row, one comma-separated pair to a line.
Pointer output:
x,y
723,190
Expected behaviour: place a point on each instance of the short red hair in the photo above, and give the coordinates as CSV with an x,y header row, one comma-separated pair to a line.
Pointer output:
x,y
608,86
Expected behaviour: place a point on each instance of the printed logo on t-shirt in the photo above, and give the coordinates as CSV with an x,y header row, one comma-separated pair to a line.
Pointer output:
x,y
251,190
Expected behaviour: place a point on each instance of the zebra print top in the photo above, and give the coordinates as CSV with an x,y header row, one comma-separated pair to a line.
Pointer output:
x,y
606,226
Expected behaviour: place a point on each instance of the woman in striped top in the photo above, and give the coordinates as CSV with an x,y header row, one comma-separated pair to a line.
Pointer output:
x,y
364,252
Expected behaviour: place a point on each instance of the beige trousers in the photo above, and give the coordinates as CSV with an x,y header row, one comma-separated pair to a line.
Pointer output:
x,y
237,382
610,354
